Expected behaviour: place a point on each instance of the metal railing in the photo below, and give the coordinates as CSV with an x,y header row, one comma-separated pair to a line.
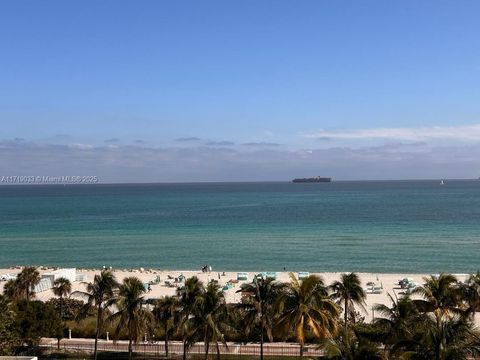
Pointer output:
x,y
157,350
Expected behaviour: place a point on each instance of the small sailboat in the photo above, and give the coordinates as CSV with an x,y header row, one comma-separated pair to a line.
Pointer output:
x,y
442,182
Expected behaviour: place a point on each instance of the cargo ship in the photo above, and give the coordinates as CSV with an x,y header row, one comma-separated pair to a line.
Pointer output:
x,y
312,179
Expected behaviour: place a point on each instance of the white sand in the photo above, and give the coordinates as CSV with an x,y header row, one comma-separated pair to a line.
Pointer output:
x,y
389,282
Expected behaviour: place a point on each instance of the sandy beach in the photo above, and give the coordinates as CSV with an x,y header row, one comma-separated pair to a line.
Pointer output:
x,y
388,282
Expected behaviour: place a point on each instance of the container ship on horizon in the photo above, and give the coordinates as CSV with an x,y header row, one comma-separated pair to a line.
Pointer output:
x,y
312,179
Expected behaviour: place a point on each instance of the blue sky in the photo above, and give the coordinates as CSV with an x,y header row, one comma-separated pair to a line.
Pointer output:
x,y
246,90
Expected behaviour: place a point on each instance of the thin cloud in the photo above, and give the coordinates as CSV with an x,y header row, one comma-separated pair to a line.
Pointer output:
x,y
129,163
261,144
82,146
459,133
112,140
188,139
220,143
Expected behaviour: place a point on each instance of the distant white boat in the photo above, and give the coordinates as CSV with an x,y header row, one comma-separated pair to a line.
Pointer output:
x,y
441,182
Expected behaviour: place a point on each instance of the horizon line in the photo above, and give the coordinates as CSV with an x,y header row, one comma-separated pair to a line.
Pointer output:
x,y
238,182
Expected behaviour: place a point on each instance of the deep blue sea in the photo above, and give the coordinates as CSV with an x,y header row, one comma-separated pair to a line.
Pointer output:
x,y
374,226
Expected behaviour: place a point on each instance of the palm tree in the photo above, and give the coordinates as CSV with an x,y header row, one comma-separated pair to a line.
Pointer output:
x,y
187,297
22,288
471,294
441,296
165,311
455,338
306,306
131,314
444,330
339,348
11,290
397,323
101,294
209,316
27,279
262,294
62,287
348,291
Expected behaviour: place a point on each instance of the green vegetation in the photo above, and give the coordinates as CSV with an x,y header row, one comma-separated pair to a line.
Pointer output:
x,y
188,295
36,319
131,315
306,306
9,337
258,306
349,292
61,288
210,317
164,313
434,322
22,287
101,295
67,308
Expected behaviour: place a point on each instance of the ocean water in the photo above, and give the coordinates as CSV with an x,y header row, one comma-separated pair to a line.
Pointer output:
x,y
374,226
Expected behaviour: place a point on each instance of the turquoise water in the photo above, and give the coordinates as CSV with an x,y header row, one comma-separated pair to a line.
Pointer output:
x,y
390,226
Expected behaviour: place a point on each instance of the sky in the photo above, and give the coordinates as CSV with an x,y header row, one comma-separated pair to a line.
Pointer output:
x,y
166,91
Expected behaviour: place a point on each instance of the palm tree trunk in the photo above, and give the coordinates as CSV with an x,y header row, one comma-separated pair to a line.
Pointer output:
x,y
218,351
129,348
61,319
262,327
97,331
166,340
95,346
438,345
206,342
207,346
301,350
346,322
261,343
184,349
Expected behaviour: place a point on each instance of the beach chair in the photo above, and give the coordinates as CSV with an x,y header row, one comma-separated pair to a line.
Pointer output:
x,y
242,276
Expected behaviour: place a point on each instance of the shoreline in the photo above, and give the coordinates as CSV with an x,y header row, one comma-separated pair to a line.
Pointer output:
x,y
15,268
